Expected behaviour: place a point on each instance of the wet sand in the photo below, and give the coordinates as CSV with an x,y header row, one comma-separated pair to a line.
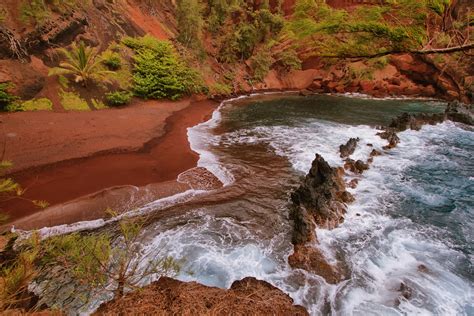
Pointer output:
x,y
124,149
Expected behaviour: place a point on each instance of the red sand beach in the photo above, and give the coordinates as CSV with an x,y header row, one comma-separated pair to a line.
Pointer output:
x,y
58,157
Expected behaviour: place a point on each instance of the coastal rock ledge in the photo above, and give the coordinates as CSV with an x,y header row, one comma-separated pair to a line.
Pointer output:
x,y
321,200
167,296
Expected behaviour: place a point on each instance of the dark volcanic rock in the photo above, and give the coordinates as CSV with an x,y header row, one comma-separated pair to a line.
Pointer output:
x,y
391,136
322,194
303,225
374,153
356,166
319,201
457,112
415,121
349,148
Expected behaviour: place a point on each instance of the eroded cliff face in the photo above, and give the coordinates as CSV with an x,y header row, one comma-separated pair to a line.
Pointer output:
x,y
27,49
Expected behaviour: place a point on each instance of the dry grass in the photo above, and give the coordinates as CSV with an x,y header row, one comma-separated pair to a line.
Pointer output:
x,y
171,297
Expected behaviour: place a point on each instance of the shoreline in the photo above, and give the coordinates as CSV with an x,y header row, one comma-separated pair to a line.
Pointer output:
x,y
149,171
89,201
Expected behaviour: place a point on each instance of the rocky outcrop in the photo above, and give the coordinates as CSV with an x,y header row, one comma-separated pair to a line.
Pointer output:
x,y
391,136
458,112
172,297
455,111
415,121
313,260
323,194
319,201
355,166
348,149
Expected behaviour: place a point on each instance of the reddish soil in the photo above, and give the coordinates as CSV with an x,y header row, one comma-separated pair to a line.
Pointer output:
x,y
167,296
137,145
146,22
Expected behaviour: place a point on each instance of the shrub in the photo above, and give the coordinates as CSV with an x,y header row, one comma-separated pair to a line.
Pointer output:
x,y
71,101
261,63
220,89
6,98
159,70
289,60
118,98
42,104
111,59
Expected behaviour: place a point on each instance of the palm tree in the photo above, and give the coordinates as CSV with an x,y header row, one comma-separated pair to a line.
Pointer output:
x,y
82,62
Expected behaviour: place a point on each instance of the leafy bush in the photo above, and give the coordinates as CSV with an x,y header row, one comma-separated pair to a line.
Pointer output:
x,y
6,98
261,63
111,59
71,101
42,104
190,22
255,28
159,70
289,59
39,11
118,98
219,89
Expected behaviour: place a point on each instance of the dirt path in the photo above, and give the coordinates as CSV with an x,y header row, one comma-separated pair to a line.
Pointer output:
x,y
138,145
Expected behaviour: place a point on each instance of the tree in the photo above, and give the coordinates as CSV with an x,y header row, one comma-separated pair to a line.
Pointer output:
x,y
107,261
82,62
190,22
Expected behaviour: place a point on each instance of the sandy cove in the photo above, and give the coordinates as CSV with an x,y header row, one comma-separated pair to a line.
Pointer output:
x,y
83,162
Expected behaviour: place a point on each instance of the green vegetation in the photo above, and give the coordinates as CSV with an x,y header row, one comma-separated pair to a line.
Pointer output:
x,y
111,59
7,100
288,59
241,43
9,190
106,262
220,89
159,71
261,63
39,11
190,22
71,101
365,31
118,98
3,14
98,105
81,62
41,104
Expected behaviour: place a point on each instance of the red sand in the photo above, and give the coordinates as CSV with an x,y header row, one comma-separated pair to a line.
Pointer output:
x,y
152,138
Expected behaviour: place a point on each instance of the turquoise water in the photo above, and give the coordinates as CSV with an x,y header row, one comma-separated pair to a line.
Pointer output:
x,y
412,221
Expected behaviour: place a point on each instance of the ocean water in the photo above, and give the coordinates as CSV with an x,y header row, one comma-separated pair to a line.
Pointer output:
x,y
410,229
412,222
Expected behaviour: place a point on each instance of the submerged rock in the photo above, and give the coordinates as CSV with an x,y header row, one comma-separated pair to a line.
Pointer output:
x,y
415,121
392,138
311,259
457,112
349,148
167,296
374,153
355,166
